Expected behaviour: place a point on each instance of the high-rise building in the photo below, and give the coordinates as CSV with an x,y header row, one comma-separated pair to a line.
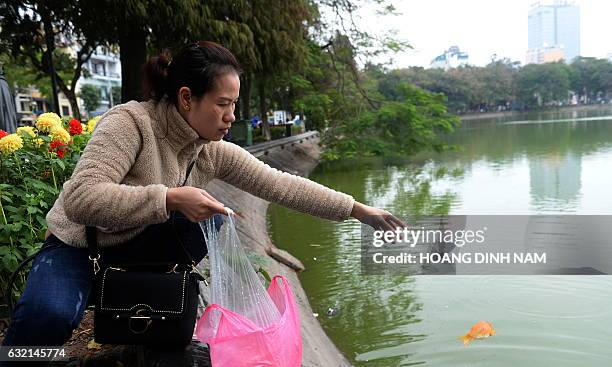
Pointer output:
x,y
554,24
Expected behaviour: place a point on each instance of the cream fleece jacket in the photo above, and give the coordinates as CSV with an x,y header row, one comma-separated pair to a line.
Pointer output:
x,y
139,150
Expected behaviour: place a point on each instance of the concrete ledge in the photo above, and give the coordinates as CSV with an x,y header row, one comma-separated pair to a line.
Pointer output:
x,y
300,158
262,149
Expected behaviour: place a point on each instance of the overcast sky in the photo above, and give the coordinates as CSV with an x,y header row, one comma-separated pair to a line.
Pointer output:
x,y
481,28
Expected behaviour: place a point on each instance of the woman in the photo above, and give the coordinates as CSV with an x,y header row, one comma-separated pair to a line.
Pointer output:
x,y
128,182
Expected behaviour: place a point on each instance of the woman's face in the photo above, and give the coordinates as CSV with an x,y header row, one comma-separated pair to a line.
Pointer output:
x,y
212,114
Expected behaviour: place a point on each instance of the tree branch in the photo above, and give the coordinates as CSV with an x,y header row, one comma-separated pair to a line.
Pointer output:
x,y
86,51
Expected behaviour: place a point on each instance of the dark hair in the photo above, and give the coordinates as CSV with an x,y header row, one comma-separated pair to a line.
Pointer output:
x,y
195,66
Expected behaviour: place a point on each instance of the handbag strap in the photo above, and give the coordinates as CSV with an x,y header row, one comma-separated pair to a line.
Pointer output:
x,y
92,235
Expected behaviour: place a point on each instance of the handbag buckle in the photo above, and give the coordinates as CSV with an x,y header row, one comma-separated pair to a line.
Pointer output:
x,y
140,321
96,265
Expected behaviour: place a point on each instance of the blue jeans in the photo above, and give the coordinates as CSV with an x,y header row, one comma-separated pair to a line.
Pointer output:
x,y
61,279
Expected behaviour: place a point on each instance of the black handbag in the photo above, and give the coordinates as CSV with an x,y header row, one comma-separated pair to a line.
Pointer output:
x,y
144,304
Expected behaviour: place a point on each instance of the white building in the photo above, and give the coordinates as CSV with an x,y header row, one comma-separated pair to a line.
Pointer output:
x,y
29,103
105,69
451,58
554,24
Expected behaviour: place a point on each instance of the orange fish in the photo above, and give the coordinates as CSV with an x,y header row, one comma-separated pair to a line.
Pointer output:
x,y
480,330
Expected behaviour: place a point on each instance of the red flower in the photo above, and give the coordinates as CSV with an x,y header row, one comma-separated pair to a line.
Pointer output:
x,y
56,146
75,127
3,133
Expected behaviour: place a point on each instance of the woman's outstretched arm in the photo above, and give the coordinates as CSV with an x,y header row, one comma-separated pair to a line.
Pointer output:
x,y
239,168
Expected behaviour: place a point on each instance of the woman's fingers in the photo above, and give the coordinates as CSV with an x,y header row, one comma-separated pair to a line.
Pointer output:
x,y
383,220
215,206
396,221
209,196
387,226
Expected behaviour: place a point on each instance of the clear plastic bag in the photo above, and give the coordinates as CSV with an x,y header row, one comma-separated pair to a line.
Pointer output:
x,y
234,283
246,325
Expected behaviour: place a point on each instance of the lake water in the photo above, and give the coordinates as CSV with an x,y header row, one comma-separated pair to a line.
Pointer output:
x,y
556,163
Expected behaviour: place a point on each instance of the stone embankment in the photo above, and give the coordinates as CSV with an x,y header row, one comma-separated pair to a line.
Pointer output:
x,y
297,155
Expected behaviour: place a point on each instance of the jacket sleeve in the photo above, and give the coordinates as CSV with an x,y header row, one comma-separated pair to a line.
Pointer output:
x,y
94,194
239,168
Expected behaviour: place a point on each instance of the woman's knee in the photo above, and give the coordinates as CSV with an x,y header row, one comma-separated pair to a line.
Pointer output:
x,y
53,313
43,321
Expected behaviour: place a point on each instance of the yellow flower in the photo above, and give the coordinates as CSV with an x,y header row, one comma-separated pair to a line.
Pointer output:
x,y
26,131
10,143
91,124
84,127
60,134
47,121
38,142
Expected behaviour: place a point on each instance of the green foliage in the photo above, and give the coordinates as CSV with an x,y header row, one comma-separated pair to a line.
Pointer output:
x,y
30,180
396,128
91,96
544,84
591,77
21,74
317,107
313,92
32,30
503,84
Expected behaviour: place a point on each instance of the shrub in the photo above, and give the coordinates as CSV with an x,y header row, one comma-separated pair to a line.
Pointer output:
x,y
35,162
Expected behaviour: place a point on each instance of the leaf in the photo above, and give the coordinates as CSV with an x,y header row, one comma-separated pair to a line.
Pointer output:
x,y
10,262
11,208
41,220
7,199
93,345
265,274
17,218
61,164
41,185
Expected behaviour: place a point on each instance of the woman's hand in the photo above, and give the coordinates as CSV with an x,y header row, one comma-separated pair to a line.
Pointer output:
x,y
376,218
196,204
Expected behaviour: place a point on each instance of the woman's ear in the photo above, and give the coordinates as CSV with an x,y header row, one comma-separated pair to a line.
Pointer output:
x,y
184,98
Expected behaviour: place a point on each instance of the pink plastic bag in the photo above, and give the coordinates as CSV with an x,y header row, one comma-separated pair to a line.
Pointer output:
x,y
238,342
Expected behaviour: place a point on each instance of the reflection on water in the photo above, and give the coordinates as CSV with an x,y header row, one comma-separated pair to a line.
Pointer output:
x,y
533,167
555,182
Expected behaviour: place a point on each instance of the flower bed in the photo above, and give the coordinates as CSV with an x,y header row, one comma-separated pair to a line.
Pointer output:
x,y
34,164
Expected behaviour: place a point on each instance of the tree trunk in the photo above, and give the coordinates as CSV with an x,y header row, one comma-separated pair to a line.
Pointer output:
x,y
245,95
133,46
71,96
50,43
263,109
